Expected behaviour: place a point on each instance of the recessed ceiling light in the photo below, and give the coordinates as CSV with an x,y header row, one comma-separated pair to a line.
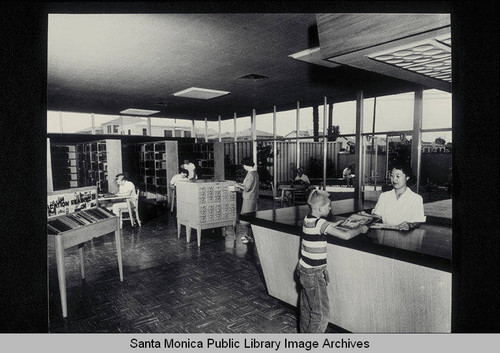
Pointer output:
x,y
254,77
200,93
143,112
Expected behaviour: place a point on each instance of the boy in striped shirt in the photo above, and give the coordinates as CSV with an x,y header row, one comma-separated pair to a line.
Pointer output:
x,y
314,306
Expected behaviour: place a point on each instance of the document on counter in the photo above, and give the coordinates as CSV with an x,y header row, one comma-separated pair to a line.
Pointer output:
x,y
357,220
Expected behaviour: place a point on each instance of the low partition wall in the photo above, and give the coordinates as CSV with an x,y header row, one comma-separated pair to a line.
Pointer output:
x,y
382,281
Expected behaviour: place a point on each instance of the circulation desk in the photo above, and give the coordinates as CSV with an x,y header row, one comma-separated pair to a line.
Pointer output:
x,y
381,281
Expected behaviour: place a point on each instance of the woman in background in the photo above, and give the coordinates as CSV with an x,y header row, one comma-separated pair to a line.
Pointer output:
x,y
250,187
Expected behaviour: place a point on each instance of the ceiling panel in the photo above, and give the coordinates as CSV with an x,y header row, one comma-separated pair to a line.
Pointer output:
x,y
107,63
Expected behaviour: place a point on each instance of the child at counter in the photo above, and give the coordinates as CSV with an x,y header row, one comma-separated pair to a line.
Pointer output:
x,y
311,269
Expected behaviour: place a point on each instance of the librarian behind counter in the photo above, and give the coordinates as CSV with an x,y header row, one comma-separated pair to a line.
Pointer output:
x,y
401,206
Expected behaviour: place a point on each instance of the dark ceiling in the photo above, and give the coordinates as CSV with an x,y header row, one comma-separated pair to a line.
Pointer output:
x,y
103,64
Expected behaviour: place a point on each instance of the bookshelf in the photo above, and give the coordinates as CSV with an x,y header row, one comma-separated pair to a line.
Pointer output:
x,y
158,162
204,155
98,164
64,167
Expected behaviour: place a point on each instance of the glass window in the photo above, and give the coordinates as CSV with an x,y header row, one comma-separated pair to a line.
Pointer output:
x,y
213,130
69,123
178,133
436,110
394,112
115,129
435,167
264,125
187,133
167,133
243,126
368,105
145,131
53,123
199,128
286,123
344,116
103,123
160,125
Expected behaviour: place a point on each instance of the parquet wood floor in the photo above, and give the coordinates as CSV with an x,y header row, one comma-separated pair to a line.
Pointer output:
x,y
169,286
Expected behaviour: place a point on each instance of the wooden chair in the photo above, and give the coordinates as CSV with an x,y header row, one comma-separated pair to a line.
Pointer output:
x,y
277,197
132,206
300,194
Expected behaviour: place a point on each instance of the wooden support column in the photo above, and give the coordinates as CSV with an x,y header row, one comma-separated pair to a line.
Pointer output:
x,y
206,130
194,132
254,137
121,124
93,123
220,138
50,185
359,169
416,144
236,159
297,129
275,156
325,139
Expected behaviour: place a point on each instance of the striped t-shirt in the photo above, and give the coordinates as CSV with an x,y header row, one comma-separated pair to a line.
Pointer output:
x,y
313,242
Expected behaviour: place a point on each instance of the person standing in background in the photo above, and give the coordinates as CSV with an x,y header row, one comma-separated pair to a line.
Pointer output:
x,y
250,187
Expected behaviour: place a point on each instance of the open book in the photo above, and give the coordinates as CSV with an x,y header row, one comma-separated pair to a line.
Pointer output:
x,y
357,220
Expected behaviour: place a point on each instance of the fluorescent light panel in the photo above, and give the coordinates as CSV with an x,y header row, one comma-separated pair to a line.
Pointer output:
x,y
431,57
143,112
200,93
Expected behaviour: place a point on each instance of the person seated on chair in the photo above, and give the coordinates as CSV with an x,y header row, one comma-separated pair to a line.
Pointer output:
x,y
301,178
125,188
183,175
348,175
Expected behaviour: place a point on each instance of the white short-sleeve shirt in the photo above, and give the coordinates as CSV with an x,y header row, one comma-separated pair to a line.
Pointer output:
x,y
190,167
408,208
176,178
127,189
303,177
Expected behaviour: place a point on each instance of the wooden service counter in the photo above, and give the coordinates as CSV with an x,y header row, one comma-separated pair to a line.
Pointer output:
x,y
381,281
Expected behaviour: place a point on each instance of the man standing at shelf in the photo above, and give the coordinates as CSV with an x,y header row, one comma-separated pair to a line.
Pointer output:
x,y
250,187
125,188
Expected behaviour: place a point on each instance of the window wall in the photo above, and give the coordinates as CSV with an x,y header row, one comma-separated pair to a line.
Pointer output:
x,y
69,123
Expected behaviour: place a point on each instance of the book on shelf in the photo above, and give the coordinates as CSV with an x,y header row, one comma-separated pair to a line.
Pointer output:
x,y
357,220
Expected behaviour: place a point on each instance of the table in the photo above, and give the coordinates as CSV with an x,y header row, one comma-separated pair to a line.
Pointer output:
x,y
105,201
286,192
76,237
